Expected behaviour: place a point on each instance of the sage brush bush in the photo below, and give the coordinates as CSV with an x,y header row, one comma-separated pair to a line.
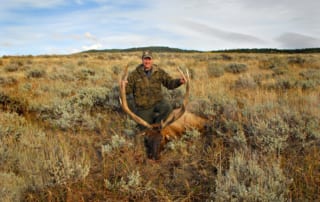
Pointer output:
x,y
7,81
236,68
273,63
20,146
245,82
12,186
75,112
35,73
268,135
249,179
296,60
215,69
11,67
115,144
311,78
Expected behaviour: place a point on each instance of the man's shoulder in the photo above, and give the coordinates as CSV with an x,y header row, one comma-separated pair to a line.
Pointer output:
x,y
157,68
136,70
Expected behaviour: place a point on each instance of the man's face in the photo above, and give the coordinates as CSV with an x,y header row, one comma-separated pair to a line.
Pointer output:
x,y
147,63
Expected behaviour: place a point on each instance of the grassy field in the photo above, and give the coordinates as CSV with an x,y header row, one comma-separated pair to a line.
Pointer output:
x,y
64,137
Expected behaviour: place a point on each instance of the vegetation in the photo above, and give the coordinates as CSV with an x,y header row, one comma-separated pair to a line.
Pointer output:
x,y
64,137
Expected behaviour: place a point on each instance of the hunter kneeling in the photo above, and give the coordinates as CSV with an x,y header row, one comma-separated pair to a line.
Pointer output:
x,y
152,111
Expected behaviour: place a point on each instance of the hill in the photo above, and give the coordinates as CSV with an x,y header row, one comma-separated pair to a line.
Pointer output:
x,y
178,50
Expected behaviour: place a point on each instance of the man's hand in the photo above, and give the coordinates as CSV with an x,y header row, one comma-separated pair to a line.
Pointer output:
x,y
183,78
123,83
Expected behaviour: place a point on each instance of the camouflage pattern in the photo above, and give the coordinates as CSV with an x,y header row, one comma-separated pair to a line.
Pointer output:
x,y
146,89
147,54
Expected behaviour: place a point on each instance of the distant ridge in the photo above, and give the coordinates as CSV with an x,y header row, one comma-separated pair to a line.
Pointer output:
x,y
244,50
152,48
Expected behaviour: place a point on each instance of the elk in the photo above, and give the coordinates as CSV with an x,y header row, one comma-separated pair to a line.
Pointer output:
x,y
174,126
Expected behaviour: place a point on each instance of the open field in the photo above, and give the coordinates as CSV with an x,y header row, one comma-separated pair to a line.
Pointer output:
x,y
64,137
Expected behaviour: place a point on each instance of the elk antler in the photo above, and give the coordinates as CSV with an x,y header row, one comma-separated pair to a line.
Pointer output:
x,y
173,116
123,100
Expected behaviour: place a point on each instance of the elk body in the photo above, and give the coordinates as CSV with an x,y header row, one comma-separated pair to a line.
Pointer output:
x,y
173,127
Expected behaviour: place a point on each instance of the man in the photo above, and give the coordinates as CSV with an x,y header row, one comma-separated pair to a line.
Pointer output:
x,y
144,83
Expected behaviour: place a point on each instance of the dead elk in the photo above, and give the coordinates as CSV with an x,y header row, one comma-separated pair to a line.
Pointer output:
x,y
174,126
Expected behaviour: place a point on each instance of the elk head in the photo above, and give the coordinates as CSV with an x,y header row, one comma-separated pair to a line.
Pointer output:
x,y
154,139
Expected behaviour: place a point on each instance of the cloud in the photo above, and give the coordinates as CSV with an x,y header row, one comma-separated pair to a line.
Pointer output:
x,y
12,4
296,40
92,46
225,35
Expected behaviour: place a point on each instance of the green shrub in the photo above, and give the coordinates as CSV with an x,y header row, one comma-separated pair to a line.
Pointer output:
x,y
236,68
311,75
116,69
249,179
20,145
245,82
82,62
226,57
85,73
12,67
280,71
296,60
285,83
75,112
272,63
6,81
36,73
215,69
12,186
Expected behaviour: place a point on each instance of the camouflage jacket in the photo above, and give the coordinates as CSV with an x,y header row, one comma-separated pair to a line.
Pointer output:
x,y
146,89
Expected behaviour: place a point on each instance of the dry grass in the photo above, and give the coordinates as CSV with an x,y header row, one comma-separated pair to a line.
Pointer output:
x,y
64,137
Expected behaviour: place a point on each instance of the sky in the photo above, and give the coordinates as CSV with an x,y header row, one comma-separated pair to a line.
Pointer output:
x,y
37,27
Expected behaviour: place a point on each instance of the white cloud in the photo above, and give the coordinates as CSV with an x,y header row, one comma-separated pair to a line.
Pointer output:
x,y
91,47
297,40
9,4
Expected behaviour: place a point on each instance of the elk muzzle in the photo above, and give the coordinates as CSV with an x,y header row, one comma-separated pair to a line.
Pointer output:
x,y
154,143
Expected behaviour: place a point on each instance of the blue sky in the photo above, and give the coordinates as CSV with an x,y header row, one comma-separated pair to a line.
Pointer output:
x,y
36,27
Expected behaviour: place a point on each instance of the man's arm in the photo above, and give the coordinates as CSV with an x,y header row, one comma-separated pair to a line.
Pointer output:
x,y
171,83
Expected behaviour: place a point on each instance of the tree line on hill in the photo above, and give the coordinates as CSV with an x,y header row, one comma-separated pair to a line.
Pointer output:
x,y
178,50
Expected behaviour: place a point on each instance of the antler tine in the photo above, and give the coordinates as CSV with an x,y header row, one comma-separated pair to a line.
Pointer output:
x,y
123,100
173,116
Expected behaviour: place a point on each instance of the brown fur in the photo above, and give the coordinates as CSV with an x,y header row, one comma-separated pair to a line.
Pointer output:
x,y
156,137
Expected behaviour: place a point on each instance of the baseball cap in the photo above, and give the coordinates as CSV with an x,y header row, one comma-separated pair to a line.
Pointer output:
x,y
147,54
